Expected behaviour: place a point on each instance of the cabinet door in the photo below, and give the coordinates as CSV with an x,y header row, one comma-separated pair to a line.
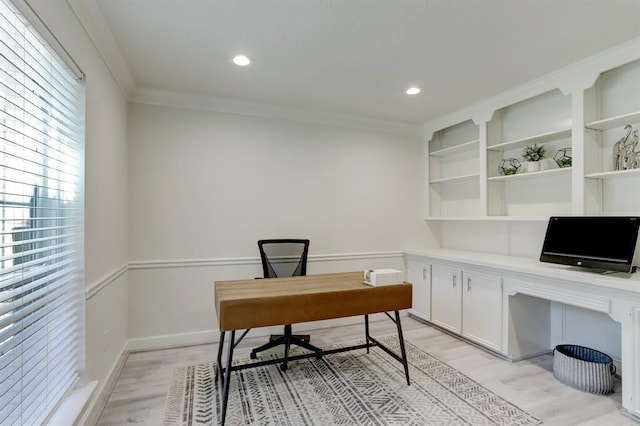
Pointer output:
x,y
419,274
446,297
482,309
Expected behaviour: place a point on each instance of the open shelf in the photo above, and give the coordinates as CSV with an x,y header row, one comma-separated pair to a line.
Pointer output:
x,y
614,122
614,174
464,147
456,178
532,175
540,138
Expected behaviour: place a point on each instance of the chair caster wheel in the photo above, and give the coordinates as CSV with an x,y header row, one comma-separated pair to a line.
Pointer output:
x,y
253,355
283,367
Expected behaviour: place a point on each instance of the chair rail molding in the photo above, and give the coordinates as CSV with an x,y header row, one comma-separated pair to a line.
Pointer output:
x,y
105,281
235,261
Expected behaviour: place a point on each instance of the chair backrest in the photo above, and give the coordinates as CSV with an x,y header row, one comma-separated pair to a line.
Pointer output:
x,y
283,257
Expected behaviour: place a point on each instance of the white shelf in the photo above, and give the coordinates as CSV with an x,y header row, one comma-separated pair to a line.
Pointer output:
x,y
490,218
532,175
613,122
455,179
541,138
457,149
614,174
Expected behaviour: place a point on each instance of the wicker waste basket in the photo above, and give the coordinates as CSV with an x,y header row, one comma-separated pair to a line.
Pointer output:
x,y
584,368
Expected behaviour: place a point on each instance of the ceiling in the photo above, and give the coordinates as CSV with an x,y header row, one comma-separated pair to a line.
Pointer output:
x,y
353,57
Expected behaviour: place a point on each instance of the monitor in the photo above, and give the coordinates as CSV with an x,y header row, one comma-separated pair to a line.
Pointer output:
x,y
601,242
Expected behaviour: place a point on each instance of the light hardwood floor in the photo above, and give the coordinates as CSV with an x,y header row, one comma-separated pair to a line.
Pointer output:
x,y
139,394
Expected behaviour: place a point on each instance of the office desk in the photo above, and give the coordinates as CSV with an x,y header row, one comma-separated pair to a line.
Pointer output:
x,y
246,304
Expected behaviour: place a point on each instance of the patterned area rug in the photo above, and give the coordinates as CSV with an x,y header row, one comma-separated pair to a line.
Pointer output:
x,y
350,388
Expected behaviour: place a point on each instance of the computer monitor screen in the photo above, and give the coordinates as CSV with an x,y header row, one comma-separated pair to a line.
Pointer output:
x,y
600,242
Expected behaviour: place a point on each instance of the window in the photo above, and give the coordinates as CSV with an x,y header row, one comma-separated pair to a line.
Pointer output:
x,y
41,223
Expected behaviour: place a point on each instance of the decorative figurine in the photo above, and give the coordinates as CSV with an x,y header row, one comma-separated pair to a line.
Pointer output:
x,y
509,166
619,150
563,157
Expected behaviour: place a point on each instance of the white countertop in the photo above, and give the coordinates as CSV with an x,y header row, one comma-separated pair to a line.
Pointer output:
x,y
614,280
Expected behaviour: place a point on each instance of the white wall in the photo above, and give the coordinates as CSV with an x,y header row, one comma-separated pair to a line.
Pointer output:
x,y
105,191
206,186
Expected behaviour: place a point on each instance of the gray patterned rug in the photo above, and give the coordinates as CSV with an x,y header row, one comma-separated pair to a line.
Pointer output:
x,y
350,388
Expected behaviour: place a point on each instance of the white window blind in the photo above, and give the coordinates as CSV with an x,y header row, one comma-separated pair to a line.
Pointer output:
x,y
41,212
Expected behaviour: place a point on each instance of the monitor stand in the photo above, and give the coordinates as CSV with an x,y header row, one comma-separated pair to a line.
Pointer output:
x,y
604,271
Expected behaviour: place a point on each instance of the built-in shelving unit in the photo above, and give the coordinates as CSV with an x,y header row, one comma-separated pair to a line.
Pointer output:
x,y
463,160
452,171
612,103
584,107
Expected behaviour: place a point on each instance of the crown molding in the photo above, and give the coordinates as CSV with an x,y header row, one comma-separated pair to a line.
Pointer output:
x,y
91,18
578,76
266,110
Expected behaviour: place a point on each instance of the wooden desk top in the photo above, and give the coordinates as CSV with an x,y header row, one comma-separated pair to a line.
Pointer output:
x,y
242,304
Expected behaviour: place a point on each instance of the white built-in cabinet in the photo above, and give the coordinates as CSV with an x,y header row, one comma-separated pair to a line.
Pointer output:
x,y
586,115
464,301
508,305
446,297
419,274
482,308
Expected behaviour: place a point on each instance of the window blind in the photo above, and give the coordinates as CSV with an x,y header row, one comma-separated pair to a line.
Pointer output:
x,y
41,228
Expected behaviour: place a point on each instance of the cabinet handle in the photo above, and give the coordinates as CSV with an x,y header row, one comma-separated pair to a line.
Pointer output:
x,y
468,283
454,280
424,273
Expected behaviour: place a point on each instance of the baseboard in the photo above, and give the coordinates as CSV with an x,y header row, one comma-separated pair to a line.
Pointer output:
x,y
462,338
171,340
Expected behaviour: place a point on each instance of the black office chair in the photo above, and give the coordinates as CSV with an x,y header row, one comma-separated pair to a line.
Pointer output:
x,y
284,258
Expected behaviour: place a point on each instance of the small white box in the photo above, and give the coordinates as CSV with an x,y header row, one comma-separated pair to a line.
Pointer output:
x,y
377,277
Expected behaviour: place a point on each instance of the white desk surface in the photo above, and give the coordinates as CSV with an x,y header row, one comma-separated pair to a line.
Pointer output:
x,y
616,280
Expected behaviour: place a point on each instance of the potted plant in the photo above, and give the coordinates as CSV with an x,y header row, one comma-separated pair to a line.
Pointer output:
x,y
532,154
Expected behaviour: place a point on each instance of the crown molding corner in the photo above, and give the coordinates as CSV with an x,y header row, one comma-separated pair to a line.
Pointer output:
x,y
92,20
264,110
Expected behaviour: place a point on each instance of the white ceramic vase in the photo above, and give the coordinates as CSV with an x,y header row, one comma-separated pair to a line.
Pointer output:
x,y
533,166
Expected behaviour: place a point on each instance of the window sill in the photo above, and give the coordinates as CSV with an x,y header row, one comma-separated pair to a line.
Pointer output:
x,y
73,406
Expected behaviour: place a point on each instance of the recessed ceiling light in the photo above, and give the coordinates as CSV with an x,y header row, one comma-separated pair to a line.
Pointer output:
x,y
241,60
413,91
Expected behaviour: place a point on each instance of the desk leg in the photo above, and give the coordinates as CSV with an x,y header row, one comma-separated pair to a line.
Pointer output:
x,y
366,331
402,349
219,364
227,377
